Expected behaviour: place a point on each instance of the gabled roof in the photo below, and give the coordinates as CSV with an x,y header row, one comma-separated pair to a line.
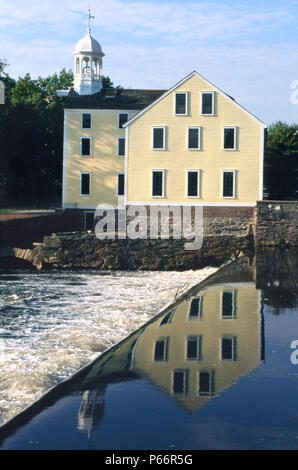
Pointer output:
x,y
229,98
113,98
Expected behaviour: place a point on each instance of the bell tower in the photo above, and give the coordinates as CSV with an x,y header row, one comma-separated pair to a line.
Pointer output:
x,y
88,56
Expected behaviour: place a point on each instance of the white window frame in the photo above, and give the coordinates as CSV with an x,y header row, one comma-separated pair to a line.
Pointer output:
x,y
198,196
163,183
164,138
90,183
213,102
127,114
199,316
199,139
186,103
185,375
198,339
118,148
81,146
90,121
234,184
234,304
117,194
234,350
235,138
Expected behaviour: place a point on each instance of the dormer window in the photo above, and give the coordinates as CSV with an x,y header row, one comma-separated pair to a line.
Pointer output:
x,y
181,103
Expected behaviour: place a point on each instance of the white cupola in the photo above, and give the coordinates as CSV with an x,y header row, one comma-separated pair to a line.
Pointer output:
x,y
88,56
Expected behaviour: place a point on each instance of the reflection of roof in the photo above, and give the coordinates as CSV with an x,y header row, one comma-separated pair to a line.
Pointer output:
x,y
113,98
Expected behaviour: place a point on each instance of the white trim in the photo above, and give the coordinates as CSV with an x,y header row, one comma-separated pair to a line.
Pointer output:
x,y
213,102
90,139
234,184
210,84
235,138
189,204
90,183
126,165
119,113
118,152
262,151
163,182
83,128
164,137
196,149
117,193
186,103
198,196
64,160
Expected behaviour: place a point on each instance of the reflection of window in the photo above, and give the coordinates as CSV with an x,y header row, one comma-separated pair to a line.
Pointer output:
x,y
167,318
228,349
206,383
180,379
228,305
85,146
120,184
161,350
193,348
85,184
195,309
86,121
121,146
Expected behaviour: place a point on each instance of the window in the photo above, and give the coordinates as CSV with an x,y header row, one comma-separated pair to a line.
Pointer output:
x,y
193,180
228,349
195,308
158,138
207,103
120,184
86,121
206,383
228,304
181,103
85,146
193,348
180,381
158,183
123,118
85,184
121,146
193,138
167,318
228,183
229,138
161,350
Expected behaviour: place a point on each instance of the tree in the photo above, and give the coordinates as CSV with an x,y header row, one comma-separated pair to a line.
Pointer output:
x,y
281,156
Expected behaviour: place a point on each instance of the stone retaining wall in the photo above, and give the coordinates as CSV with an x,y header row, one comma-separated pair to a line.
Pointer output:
x,y
276,223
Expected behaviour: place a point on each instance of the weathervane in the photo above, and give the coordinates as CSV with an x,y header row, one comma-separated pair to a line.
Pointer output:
x,y
90,17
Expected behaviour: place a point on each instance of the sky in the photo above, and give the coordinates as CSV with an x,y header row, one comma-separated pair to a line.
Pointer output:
x,y
247,49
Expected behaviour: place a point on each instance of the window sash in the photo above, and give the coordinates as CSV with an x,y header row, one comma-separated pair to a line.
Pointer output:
x,y
157,183
86,121
193,138
158,138
181,103
207,104
85,184
229,138
193,183
228,184
120,184
85,146
123,118
121,146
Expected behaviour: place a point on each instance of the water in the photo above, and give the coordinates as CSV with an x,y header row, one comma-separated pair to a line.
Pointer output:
x,y
213,371
51,324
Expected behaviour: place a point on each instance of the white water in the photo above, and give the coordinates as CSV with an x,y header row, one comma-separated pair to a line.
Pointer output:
x,y
52,324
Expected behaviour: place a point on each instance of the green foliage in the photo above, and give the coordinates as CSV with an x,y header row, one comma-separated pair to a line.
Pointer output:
x,y
281,156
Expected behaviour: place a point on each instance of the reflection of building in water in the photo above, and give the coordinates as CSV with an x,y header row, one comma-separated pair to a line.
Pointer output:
x,y
192,352
205,345
91,409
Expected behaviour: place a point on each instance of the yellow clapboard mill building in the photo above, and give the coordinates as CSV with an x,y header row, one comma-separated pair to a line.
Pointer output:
x,y
191,145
